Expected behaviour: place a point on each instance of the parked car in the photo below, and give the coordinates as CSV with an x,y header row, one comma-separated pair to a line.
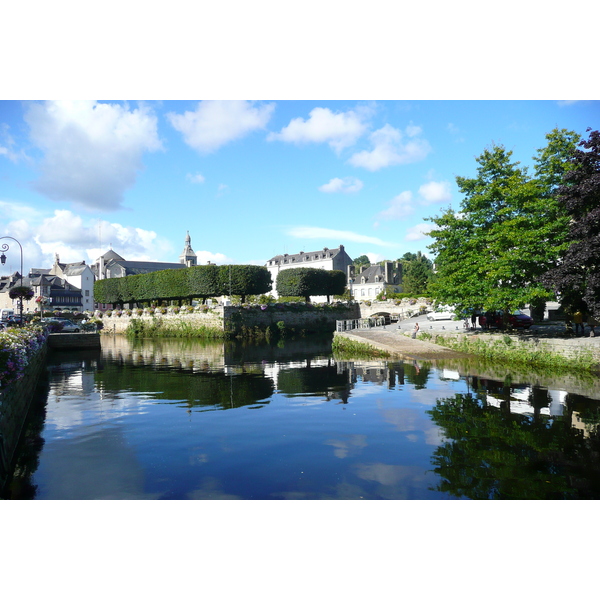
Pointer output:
x,y
444,312
15,320
516,319
67,325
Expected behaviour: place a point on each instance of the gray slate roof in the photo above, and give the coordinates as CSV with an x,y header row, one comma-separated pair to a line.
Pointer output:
x,y
326,253
136,267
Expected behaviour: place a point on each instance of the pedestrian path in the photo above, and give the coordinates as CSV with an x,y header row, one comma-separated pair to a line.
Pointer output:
x,y
393,340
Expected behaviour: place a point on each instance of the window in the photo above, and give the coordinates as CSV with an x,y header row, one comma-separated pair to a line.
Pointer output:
x,y
87,292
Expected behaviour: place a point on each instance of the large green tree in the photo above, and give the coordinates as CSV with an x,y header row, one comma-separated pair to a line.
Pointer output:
x,y
417,271
509,231
576,278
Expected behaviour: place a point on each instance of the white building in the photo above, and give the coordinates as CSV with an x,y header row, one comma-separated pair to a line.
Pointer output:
x,y
370,281
331,260
79,275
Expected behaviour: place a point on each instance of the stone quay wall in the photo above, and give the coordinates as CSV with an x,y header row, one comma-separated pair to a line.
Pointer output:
x,y
15,401
571,348
226,317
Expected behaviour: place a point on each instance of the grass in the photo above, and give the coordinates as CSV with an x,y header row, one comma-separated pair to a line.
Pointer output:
x,y
345,349
505,350
139,328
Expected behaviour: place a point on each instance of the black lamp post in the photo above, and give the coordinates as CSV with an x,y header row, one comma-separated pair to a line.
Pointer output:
x,y
3,249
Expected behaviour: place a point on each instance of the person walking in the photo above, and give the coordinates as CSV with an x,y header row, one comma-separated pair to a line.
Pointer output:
x,y
578,320
592,325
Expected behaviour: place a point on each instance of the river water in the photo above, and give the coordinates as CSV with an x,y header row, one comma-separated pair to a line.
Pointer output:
x,y
181,419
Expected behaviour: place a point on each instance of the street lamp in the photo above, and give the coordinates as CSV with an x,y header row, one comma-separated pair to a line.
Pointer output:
x,y
5,247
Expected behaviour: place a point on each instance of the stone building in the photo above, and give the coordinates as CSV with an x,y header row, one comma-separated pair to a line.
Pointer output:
x,y
79,275
367,282
329,259
60,293
112,264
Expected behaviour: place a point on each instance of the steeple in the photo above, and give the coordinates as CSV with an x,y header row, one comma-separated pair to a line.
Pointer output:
x,y
188,256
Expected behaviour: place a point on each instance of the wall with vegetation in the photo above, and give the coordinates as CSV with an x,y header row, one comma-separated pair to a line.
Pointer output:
x,y
234,318
15,400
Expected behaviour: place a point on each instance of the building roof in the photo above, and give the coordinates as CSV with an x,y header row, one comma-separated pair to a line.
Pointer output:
x,y
110,255
301,257
73,269
137,267
370,273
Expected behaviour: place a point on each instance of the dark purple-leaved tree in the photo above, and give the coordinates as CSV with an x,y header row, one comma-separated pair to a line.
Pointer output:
x,y
576,279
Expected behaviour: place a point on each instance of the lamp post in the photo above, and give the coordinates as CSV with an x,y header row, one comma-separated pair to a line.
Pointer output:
x,y
5,247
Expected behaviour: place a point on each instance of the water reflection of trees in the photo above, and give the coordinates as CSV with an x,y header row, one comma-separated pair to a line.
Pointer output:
x,y
325,380
195,390
493,452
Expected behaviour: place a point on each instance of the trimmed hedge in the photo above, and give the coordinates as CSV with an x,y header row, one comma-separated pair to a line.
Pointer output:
x,y
306,282
204,281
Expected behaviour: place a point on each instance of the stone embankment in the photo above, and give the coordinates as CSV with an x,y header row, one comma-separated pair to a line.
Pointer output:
x,y
73,341
15,401
222,317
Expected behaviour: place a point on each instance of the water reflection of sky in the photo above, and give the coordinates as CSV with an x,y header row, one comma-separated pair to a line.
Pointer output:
x,y
327,431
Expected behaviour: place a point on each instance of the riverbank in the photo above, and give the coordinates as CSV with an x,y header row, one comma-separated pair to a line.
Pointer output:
x,y
543,345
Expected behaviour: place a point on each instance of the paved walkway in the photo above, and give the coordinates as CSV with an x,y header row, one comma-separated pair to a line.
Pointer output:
x,y
394,341
392,338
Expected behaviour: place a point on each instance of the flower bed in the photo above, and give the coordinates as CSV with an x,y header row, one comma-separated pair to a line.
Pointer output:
x,y
17,347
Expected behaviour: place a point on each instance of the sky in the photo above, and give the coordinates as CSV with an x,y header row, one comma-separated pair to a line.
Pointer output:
x,y
248,179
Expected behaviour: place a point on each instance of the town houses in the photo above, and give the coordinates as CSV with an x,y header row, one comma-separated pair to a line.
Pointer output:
x,y
71,285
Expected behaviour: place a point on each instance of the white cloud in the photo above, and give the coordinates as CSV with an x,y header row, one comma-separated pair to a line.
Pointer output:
x,y
92,151
215,123
322,232
75,238
197,178
346,185
339,130
399,207
16,210
418,232
435,191
374,257
389,148
204,256
6,144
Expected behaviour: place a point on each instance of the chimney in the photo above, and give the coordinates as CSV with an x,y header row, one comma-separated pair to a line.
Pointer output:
x,y
389,271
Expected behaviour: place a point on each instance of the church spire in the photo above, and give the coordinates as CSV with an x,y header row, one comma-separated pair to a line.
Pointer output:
x,y
188,256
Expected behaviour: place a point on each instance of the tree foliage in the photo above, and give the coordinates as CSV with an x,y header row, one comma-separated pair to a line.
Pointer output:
x,y
417,271
509,231
362,260
577,277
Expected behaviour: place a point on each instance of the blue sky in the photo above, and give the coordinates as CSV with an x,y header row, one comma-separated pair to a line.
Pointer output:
x,y
248,179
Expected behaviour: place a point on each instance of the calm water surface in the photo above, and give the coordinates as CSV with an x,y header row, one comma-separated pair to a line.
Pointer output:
x,y
175,419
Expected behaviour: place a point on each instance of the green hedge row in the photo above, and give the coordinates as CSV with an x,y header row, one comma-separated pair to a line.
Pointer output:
x,y
306,282
204,281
